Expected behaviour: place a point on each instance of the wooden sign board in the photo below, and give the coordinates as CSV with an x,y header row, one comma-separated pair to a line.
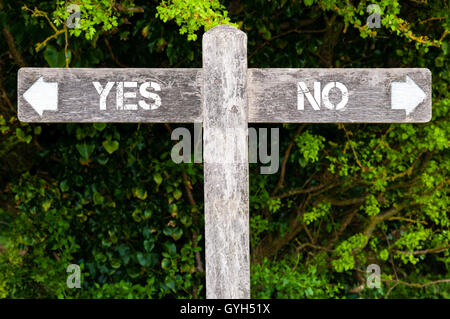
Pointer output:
x,y
274,95
339,95
109,95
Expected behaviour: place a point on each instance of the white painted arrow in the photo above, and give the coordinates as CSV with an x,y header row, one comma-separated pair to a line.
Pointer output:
x,y
406,95
42,96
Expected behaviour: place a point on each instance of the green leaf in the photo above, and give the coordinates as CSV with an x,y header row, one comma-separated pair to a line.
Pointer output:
x,y
177,194
55,58
177,233
115,263
149,245
99,126
47,204
102,159
384,254
98,198
111,146
64,186
157,178
146,259
38,130
22,136
170,247
140,193
167,231
124,252
143,259
146,232
171,284
445,47
147,213
85,150
165,263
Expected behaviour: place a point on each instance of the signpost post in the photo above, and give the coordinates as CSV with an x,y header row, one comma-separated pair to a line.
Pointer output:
x,y
225,96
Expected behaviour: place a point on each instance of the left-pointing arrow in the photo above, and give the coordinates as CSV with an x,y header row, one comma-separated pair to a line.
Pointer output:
x,y
42,96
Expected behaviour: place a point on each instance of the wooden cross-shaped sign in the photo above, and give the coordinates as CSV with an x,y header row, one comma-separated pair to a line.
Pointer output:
x,y
225,96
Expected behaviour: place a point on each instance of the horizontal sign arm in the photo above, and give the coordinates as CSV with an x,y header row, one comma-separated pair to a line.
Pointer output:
x,y
109,95
339,95
274,95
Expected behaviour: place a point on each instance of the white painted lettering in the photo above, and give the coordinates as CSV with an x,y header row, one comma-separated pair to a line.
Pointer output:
x,y
150,95
130,95
103,92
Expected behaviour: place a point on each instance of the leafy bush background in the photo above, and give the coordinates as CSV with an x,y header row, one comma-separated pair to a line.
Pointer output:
x,y
108,197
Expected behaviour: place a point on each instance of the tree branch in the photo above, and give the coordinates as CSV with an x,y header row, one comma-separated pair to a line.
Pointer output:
x,y
188,187
111,53
15,53
17,57
425,251
285,159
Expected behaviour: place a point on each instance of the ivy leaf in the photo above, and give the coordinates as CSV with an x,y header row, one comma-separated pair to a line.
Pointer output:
x,y
22,136
99,126
177,233
111,146
55,58
38,130
165,263
157,178
115,263
171,284
98,198
102,159
147,213
47,204
384,254
146,232
170,247
167,231
140,193
177,194
149,245
64,186
124,252
144,259
85,150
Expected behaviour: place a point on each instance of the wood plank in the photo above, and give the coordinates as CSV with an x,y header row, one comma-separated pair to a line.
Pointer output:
x,y
273,95
226,163
79,101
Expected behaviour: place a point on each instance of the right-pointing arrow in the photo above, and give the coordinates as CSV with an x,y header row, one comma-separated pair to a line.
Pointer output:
x,y
42,96
406,95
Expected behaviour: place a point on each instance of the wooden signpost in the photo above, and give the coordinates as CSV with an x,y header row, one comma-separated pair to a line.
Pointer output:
x,y
225,96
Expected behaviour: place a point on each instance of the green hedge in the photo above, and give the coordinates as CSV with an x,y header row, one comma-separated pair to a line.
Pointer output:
x,y
109,198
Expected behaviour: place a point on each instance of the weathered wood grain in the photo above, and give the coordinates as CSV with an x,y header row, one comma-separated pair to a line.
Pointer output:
x,y
272,95
78,99
226,163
